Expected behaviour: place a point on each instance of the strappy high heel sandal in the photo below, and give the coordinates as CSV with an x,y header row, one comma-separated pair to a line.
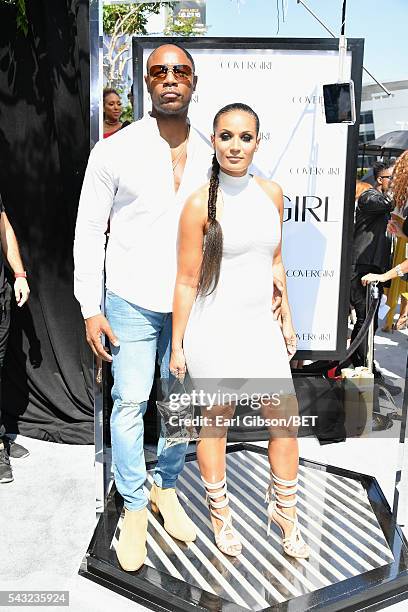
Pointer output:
x,y
293,545
226,539
402,323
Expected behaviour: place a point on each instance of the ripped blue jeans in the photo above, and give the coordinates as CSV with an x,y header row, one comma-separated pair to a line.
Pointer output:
x,y
142,333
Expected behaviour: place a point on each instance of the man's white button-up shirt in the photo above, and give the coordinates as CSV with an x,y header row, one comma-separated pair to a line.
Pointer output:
x,y
129,180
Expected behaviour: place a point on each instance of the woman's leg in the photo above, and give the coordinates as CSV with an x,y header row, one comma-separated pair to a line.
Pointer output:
x,y
211,450
389,319
283,454
283,448
403,314
212,444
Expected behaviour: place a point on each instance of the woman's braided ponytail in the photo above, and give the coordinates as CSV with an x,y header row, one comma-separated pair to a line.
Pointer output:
x,y
211,264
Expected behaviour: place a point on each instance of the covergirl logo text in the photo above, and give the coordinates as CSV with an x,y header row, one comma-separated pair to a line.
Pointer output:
x,y
231,64
307,208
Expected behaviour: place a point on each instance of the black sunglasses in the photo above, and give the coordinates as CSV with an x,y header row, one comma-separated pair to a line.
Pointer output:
x,y
181,72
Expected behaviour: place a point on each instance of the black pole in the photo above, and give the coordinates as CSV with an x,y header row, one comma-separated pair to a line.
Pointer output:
x,y
343,18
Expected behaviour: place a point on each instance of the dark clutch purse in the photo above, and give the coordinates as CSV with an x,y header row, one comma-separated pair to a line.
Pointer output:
x,y
177,415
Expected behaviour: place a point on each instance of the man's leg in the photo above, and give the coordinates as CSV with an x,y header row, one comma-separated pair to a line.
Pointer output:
x,y
4,334
14,450
358,301
380,288
133,365
6,474
170,461
2,428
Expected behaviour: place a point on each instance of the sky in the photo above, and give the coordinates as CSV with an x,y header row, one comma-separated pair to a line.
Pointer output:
x,y
383,25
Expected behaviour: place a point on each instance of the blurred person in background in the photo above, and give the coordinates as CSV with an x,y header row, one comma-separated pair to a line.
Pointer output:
x,y
399,285
112,110
10,253
371,247
361,186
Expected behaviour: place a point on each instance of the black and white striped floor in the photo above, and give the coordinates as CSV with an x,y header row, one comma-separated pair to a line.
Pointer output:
x,y
336,520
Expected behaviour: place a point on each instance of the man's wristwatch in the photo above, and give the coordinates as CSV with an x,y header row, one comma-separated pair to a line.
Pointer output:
x,y
20,274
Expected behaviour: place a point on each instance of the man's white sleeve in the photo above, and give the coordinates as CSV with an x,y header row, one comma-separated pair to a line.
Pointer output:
x,y
95,203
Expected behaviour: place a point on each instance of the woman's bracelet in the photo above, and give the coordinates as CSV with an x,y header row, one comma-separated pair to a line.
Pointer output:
x,y
399,271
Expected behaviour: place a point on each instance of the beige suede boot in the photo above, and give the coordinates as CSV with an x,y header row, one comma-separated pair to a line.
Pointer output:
x,y
131,548
176,521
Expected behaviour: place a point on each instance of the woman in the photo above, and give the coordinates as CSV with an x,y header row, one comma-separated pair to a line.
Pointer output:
x,y
112,110
399,286
399,189
229,252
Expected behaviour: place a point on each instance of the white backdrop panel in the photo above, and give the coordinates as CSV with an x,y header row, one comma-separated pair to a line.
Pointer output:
x,y
298,150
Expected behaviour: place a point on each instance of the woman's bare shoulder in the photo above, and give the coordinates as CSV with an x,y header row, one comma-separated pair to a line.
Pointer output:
x,y
198,199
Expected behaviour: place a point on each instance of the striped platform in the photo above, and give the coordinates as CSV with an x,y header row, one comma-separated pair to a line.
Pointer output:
x,y
336,519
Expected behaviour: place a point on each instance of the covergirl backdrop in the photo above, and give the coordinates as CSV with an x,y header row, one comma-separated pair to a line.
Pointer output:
x,y
313,162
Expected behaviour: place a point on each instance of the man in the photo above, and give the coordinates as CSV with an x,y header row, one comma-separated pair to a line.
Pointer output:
x,y
9,246
139,179
371,247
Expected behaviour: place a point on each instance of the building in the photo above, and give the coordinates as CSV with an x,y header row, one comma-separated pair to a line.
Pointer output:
x,y
381,113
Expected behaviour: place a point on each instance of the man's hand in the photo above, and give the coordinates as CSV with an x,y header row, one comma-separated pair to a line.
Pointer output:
x,y
277,300
21,290
95,327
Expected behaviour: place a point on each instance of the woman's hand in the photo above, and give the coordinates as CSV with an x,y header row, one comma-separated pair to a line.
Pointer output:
x,y
395,229
371,278
178,363
289,336
277,300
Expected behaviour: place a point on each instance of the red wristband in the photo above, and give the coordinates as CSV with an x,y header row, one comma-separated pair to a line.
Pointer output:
x,y
20,274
